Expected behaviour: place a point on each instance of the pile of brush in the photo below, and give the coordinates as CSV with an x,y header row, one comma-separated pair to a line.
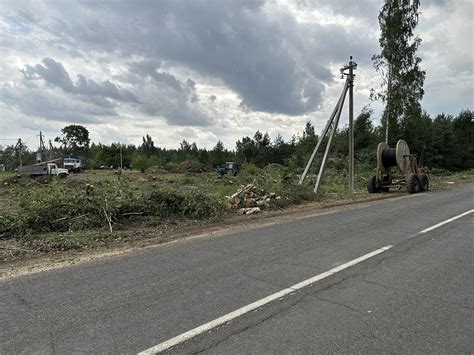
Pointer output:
x,y
249,200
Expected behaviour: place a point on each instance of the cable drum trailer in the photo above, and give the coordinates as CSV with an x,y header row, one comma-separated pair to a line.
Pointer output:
x,y
415,177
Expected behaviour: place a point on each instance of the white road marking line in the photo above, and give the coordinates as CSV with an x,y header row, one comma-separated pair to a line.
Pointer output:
x,y
445,222
253,306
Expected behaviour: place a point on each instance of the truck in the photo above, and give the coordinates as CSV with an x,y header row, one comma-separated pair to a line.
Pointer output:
x,y
44,168
230,167
73,164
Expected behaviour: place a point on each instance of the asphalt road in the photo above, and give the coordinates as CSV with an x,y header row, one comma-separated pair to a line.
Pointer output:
x,y
417,297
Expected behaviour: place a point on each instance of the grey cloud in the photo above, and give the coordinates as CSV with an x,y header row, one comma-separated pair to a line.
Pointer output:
x,y
366,9
162,94
53,73
438,2
178,107
166,96
191,84
145,67
270,60
106,88
149,69
52,105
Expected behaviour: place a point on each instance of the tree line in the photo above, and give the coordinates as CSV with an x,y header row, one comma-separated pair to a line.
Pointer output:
x,y
444,142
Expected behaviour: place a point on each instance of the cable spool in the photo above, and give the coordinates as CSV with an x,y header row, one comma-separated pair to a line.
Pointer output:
x,y
388,157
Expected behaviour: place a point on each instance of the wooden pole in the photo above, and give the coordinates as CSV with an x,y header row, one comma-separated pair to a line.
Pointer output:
x,y
20,146
320,139
121,160
351,126
331,136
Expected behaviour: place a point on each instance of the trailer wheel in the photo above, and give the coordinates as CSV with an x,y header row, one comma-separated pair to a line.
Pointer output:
x,y
424,182
413,184
372,185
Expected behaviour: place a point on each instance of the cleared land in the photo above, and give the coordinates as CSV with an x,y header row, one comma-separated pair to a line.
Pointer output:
x,y
70,218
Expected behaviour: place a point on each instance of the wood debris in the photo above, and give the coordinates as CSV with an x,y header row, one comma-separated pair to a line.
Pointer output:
x,y
249,200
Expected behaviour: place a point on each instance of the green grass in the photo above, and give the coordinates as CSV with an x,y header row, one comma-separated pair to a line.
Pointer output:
x,y
56,215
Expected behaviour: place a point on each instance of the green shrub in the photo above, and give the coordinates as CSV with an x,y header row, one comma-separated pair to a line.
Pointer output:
x,y
171,167
57,208
187,180
190,166
250,169
440,172
223,191
8,226
142,162
166,203
294,195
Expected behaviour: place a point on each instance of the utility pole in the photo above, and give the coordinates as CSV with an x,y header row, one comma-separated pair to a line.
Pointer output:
x,y
351,126
121,161
50,150
352,65
42,148
331,127
389,103
20,148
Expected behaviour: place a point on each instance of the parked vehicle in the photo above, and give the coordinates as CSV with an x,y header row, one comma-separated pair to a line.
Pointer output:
x,y
232,168
43,168
73,164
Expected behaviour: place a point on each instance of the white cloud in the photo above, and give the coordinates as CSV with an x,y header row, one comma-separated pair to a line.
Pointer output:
x,y
208,70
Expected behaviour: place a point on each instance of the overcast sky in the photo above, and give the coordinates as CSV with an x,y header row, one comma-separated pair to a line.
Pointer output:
x,y
204,70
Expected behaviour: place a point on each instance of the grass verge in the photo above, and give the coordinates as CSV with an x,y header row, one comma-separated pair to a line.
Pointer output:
x,y
58,217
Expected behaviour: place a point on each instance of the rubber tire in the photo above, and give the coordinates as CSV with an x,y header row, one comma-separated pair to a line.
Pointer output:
x,y
413,184
372,185
384,189
424,182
